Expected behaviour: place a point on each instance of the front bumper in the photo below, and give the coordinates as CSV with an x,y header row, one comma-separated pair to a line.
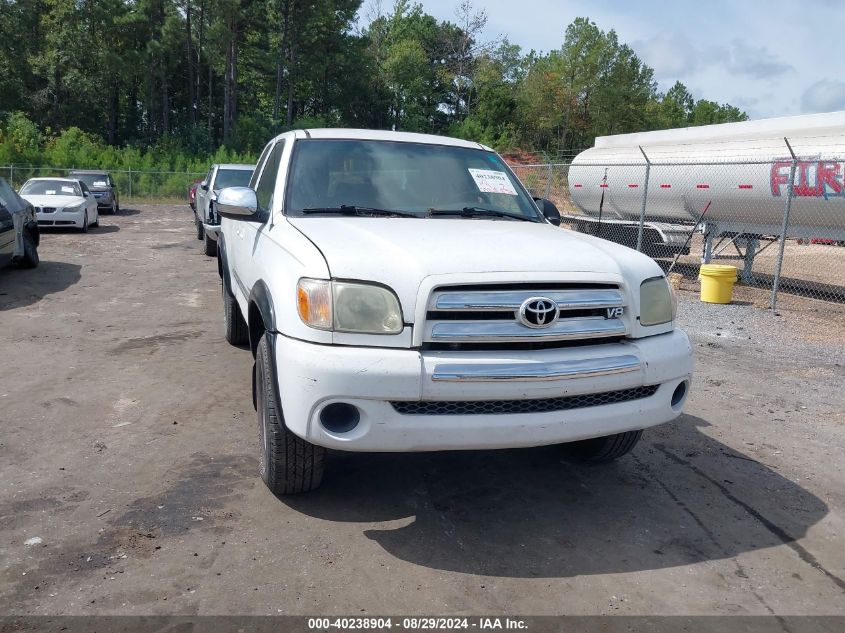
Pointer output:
x,y
314,376
62,218
212,230
104,201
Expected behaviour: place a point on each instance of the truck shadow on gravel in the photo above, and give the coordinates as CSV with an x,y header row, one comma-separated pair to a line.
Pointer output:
x,y
20,288
680,498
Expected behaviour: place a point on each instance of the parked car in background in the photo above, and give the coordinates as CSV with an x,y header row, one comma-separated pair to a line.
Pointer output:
x,y
100,184
192,195
62,202
403,292
205,215
19,235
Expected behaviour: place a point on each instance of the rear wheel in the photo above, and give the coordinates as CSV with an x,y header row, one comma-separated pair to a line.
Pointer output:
x,y
237,332
29,259
602,449
210,246
200,230
287,463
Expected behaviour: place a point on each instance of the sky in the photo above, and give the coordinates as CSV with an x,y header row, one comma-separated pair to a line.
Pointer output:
x,y
768,57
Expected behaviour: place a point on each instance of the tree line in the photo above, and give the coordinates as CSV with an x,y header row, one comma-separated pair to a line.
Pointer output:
x,y
182,78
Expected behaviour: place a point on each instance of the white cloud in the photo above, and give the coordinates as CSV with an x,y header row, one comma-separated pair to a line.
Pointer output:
x,y
755,61
674,57
824,96
671,56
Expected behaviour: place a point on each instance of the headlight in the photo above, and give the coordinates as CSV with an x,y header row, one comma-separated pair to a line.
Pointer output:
x,y
657,303
72,208
314,302
348,307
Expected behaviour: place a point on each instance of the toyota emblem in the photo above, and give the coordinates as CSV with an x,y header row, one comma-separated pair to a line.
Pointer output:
x,y
537,312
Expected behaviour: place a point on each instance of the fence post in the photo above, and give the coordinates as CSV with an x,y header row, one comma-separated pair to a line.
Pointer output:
x,y
130,182
549,182
645,197
786,210
12,175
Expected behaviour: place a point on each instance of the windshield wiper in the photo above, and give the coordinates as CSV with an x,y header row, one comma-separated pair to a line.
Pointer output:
x,y
478,212
351,209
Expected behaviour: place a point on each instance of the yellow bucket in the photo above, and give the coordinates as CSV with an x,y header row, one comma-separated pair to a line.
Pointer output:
x,y
717,283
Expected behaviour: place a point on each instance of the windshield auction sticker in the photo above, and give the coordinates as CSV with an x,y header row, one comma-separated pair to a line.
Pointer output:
x,y
489,181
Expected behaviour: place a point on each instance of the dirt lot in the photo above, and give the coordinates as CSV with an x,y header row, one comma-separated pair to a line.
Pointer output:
x,y
128,463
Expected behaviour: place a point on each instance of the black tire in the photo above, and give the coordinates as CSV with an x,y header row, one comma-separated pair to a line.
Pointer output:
x,y
84,228
200,230
602,449
113,207
97,223
237,332
288,464
29,259
210,246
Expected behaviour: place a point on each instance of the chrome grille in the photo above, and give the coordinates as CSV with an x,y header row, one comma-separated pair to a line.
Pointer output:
x,y
473,317
542,405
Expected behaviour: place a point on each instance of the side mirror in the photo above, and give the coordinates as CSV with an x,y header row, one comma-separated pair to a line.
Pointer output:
x,y
549,210
204,186
238,203
86,194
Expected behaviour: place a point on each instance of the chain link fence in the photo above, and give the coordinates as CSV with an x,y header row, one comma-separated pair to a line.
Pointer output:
x,y
140,185
781,222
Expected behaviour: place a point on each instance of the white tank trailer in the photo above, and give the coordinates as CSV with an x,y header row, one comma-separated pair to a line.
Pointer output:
x,y
688,170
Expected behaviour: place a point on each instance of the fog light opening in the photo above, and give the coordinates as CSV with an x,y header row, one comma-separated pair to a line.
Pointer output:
x,y
679,395
340,417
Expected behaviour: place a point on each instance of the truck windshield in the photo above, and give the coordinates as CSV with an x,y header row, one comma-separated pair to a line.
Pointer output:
x,y
417,178
93,180
232,178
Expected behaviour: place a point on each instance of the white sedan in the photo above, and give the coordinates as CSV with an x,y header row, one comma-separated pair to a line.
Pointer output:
x,y
62,202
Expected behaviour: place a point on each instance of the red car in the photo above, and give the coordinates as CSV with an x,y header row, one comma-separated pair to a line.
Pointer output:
x,y
192,194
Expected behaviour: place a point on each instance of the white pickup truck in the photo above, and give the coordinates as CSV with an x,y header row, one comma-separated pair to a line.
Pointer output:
x,y
403,292
205,218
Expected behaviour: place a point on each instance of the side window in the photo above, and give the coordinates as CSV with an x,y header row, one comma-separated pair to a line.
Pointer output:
x,y
253,181
6,194
267,181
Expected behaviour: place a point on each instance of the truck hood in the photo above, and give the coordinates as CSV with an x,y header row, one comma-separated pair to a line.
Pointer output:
x,y
401,252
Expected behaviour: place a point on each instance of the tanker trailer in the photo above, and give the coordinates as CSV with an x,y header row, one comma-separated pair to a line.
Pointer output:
x,y
741,169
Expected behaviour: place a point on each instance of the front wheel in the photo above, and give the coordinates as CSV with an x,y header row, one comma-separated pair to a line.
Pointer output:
x,y
237,332
209,246
200,230
288,464
602,449
84,227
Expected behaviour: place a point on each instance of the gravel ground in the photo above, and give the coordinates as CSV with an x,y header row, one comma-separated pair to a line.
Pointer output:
x,y
128,470
786,336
